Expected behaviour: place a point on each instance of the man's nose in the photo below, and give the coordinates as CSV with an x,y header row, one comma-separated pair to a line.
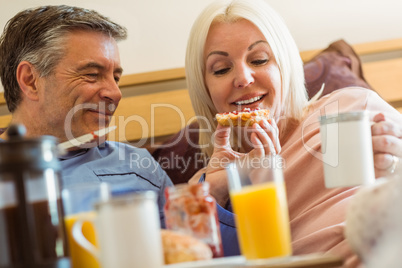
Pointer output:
x,y
111,91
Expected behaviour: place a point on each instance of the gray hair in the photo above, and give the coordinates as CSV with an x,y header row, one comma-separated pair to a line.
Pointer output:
x,y
36,35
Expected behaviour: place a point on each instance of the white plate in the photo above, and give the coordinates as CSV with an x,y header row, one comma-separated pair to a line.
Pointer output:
x,y
219,262
230,262
240,261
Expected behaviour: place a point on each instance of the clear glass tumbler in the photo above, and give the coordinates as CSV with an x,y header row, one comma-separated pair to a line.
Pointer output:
x,y
258,196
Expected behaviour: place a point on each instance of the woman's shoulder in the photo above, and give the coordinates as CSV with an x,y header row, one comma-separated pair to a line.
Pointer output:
x,y
350,97
350,92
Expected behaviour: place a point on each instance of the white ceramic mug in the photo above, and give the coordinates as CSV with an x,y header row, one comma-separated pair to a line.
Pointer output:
x,y
347,150
127,230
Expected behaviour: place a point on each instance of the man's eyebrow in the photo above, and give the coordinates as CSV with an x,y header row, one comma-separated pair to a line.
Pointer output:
x,y
118,70
98,66
91,65
256,43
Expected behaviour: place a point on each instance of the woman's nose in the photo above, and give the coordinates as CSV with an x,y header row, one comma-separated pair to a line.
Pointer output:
x,y
244,77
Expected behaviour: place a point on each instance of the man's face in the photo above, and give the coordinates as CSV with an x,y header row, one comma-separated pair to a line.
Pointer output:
x,y
82,93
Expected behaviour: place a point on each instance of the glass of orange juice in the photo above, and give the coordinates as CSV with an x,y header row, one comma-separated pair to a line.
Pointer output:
x,y
78,204
258,196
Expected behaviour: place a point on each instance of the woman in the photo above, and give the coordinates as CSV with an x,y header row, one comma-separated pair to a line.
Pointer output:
x,y
240,54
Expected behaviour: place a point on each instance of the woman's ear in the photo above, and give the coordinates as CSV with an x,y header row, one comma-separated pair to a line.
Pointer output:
x,y
27,77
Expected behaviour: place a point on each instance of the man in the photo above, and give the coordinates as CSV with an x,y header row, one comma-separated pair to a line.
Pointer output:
x,y
60,68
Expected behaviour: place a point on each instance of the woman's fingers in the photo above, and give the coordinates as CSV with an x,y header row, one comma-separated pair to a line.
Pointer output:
x,y
223,152
269,136
387,144
221,138
379,117
383,161
386,164
386,150
273,132
260,149
264,141
386,128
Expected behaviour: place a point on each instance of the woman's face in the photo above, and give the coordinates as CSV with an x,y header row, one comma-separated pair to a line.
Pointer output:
x,y
241,70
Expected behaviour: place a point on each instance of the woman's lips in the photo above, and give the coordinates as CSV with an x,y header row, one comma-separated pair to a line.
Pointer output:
x,y
248,100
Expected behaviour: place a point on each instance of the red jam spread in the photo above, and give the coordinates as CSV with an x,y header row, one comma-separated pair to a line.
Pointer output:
x,y
192,210
245,110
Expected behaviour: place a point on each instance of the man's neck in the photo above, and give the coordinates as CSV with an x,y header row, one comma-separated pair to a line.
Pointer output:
x,y
31,129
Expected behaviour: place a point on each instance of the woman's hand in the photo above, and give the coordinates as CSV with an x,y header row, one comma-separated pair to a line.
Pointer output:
x,y
264,140
387,145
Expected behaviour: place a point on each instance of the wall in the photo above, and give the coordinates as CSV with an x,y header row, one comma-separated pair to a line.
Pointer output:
x,y
158,29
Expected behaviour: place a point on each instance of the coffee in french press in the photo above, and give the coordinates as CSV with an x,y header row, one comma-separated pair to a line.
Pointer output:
x,y
32,232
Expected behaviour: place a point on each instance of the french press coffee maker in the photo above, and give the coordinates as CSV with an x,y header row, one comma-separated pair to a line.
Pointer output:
x,y
32,232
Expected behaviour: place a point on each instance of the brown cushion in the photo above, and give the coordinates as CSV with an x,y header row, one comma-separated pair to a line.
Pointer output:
x,y
337,66
179,157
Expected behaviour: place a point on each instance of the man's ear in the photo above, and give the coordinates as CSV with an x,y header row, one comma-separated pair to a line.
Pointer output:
x,y
27,77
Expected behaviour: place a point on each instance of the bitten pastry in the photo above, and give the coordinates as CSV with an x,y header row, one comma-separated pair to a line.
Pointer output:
x,y
179,247
245,117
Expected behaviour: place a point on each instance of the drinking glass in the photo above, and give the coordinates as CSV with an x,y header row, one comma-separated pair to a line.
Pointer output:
x,y
128,232
258,196
78,202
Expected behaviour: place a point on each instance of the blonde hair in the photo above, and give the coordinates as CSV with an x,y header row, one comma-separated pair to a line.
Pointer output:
x,y
283,46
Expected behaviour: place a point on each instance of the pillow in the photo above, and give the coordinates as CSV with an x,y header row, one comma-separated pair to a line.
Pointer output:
x,y
179,157
337,66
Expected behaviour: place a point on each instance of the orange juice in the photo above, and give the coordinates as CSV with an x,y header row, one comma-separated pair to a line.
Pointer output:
x,y
80,258
262,220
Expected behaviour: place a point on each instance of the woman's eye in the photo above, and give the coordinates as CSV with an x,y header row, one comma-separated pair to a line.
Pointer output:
x,y
117,79
221,71
259,62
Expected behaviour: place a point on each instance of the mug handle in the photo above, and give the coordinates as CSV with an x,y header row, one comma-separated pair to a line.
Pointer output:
x,y
79,237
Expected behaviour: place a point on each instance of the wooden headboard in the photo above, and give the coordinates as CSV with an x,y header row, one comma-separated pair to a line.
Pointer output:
x,y
157,104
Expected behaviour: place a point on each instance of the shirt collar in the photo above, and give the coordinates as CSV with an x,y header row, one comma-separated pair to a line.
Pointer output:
x,y
72,154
